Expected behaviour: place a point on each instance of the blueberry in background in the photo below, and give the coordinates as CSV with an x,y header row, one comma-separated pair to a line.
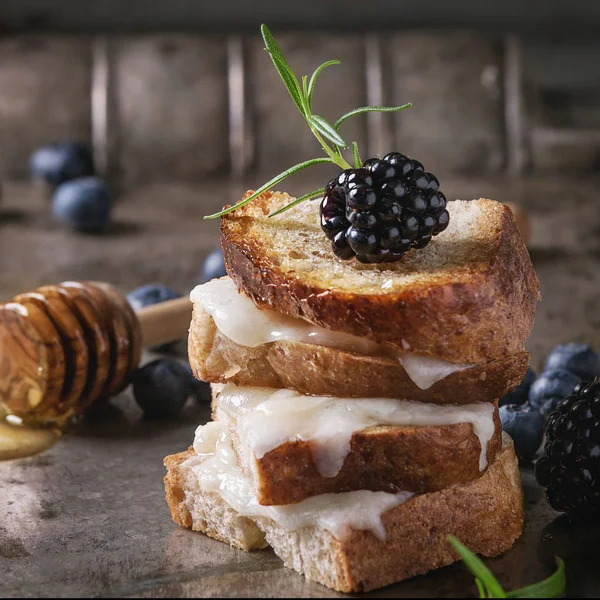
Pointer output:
x,y
153,293
162,387
550,388
83,204
62,161
579,359
521,393
213,266
526,427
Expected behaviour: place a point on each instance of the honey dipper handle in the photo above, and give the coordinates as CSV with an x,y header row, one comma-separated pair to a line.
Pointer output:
x,y
166,321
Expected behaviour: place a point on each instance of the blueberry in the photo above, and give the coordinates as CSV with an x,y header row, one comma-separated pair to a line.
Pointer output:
x,y
550,388
213,266
526,427
83,204
153,293
62,161
521,392
579,359
162,387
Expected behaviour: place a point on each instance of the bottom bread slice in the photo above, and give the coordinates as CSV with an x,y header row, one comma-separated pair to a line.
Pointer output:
x,y
485,514
206,512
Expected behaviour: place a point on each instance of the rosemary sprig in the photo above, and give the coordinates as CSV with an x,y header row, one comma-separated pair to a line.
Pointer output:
x,y
313,79
301,91
270,184
308,196
366,109
488,585
357,161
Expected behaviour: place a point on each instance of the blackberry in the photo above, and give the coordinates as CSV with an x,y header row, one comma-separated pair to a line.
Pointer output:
x,y
381,210
570,466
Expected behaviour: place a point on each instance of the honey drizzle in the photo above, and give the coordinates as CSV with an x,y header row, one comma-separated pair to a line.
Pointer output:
x,y
18,440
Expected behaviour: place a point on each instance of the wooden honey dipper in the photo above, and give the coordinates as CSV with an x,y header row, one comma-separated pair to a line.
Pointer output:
x,y
64,347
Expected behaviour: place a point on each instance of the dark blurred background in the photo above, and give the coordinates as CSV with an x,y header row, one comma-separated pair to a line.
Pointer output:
x,y
182,90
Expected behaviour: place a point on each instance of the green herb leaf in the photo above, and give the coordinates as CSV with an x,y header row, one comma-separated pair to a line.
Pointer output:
x,y
552,587
357,161
365,109
270,184
479,570
480,587
297,201
313,79
283,68
488,586
326,130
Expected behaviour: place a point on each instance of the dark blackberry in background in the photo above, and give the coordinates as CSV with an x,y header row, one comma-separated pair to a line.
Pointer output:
x,y
570,466
381,210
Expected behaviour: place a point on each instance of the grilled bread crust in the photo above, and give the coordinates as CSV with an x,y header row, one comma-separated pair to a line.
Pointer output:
x,y
485,514
321,371
187,501
381,459
469,296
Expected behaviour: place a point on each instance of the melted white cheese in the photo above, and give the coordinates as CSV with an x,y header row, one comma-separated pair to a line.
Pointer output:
x,y
267,418
424,371
217,469
238,318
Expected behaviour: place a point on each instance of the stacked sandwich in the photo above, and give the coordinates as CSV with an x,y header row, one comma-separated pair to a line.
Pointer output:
x,y
355,417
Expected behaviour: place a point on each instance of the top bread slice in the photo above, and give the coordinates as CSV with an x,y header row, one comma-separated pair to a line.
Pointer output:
x,y
469,296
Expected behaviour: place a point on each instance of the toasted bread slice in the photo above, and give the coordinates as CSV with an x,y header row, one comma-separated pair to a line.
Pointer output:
x,y
468,297
206,512
319,370
383,458
485,514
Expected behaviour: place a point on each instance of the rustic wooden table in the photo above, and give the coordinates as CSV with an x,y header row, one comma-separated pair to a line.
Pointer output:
x,y
88,518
